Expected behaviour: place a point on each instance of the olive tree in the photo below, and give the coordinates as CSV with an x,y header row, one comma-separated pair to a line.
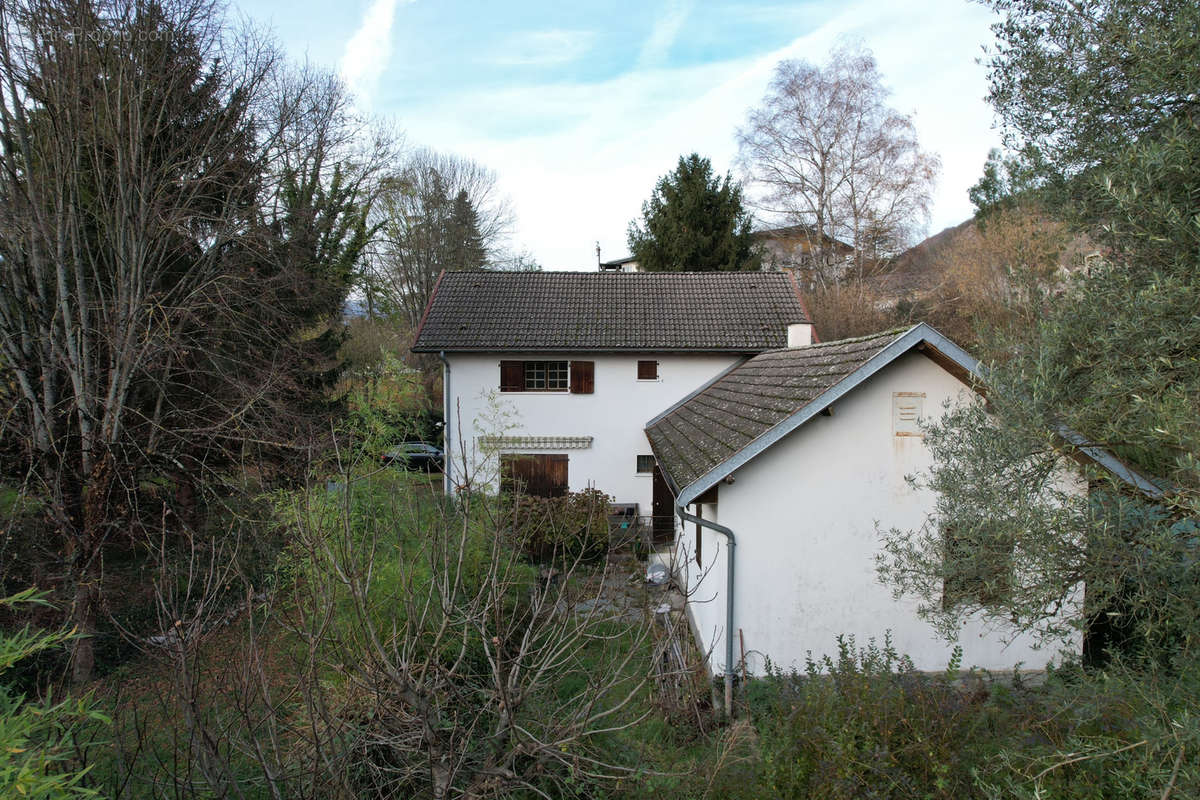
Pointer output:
x,y
1098,102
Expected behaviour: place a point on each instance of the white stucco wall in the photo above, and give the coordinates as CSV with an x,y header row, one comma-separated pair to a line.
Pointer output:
x,y
807,513
614,416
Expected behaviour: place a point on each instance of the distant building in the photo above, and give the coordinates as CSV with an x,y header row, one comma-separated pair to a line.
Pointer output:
x,y
627,264
792,248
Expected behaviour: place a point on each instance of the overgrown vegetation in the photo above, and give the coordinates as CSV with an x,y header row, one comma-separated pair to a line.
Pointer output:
x,y
38,758
575,525
189,439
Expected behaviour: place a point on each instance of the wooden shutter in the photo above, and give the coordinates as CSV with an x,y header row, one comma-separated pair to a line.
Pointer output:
x,y
512,376
555,467
534,475
647,370
583,377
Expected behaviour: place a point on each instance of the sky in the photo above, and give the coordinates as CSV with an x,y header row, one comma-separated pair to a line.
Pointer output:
x,y
579,106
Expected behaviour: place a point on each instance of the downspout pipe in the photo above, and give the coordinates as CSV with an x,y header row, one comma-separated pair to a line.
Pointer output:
x,y
447,440
729,584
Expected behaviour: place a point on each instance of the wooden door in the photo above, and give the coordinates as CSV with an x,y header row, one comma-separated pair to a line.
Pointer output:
x,y
662,509
541,475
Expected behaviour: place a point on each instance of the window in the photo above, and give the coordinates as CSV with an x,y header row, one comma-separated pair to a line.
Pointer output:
x,y
541,475
647,371
645,465
546,376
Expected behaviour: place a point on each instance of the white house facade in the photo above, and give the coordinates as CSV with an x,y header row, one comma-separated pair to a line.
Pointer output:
x,y
803,455
599,431
549,377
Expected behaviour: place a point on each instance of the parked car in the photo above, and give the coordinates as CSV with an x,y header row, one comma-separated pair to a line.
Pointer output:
x,y
416,456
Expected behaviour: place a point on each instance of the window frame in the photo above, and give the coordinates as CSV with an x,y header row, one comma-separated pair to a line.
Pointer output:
x,y
638,464
547,376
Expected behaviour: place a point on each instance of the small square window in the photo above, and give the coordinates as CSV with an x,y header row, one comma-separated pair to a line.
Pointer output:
x,y
647,370
645,464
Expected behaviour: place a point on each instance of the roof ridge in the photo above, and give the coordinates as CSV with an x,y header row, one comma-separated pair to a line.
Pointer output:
x,y
852,340
532,273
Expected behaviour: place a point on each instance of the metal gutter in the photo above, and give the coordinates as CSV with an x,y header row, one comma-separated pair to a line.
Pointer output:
x,y
729,585
1111,463
742,350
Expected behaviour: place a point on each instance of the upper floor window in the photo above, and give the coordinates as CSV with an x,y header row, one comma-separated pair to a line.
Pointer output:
x,y
647,370
645,464
549,376
577,377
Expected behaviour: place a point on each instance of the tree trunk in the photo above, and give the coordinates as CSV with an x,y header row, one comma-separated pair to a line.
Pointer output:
x,y
89,537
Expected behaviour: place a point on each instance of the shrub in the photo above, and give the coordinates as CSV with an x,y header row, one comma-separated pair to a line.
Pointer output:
x,y
572,526
1117,732
866,725
37,758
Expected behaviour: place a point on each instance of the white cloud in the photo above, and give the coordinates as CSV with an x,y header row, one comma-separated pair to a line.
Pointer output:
x,y
369,50
663,34
543,48
579,159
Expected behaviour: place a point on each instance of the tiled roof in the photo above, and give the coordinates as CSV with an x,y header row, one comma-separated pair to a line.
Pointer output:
x,y
711,433
715,424
742,312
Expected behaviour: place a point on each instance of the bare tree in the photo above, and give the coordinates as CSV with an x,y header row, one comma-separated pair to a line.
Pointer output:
x,y
151,290
412,652
468,672
826,152
439,212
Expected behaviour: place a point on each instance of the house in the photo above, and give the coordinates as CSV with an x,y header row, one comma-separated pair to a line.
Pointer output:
x,y
757,433
798,457
791,248
626,264
549,377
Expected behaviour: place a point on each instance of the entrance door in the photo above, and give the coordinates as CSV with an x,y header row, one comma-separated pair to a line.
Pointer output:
x,y
537,475
663,510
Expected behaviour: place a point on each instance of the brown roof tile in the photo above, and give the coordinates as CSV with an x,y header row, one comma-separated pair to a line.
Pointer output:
x,y
743,312
710,427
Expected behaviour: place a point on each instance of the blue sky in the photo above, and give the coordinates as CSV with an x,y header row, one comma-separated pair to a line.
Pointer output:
x,y
580,106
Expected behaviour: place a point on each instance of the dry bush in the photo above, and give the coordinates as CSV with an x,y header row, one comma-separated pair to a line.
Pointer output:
x,y
847,310
999,275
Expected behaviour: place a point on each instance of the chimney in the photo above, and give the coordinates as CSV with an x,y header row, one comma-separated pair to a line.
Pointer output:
x,y
799,334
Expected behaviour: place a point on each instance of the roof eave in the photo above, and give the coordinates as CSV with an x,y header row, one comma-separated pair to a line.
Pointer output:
x,y
742,350
918,334
425,315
